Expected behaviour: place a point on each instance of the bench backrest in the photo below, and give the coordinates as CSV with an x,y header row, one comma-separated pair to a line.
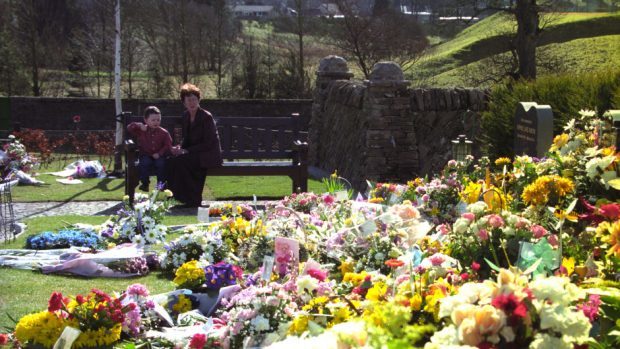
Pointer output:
x,y
244,137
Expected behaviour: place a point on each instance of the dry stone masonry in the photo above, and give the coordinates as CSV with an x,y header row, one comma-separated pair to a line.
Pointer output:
x,y
382,130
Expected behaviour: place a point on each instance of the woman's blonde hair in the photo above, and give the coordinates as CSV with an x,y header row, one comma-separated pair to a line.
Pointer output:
x,y
189,89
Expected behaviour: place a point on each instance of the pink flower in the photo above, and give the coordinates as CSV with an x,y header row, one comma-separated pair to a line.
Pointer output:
x,y
591,307
317,274
437,259
553,240
538,231
328,199
475,266
137,290
521,223
469,216
76,118
496,221
443,229
464,276
483,234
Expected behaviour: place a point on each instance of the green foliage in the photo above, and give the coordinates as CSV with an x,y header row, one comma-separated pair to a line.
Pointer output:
x,y
566,94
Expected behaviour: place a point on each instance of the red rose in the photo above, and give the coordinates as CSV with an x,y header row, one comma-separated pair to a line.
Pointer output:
x,y
4,338
198,341
55,302
76,118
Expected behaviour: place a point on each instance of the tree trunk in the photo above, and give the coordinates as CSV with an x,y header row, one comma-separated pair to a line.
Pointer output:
x,y
526,14
300,35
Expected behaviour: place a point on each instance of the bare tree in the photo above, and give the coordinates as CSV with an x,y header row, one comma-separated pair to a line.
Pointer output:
x,y
386,35
39,28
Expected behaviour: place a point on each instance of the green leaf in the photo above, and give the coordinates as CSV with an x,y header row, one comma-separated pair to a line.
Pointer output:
x,y
614,183
493,266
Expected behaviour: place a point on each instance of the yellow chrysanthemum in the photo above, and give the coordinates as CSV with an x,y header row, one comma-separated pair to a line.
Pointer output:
x,y
42,328
546,188
299,325
189,275
559,141
101,337
354,278
346,267
184,304
500,162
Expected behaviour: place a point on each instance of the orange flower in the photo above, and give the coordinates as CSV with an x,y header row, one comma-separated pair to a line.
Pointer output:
x,y
394,263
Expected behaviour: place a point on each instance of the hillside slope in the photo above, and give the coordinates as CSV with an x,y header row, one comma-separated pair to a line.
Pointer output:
x,y
581,40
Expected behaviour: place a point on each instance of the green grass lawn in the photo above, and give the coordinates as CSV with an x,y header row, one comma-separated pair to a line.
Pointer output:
x,y
26,291
488,37
216,188
577,56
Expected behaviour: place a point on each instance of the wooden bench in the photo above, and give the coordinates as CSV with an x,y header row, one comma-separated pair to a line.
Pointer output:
x,y
251,146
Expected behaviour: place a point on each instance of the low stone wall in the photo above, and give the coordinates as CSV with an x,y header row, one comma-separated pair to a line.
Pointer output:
x,y
382,130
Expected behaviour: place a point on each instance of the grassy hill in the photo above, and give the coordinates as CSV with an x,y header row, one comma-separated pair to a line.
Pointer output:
x,y
571,41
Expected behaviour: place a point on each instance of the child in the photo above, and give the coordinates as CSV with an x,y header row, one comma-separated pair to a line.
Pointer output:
x,y
154,142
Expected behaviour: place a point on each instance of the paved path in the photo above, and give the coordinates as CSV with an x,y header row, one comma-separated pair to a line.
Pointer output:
x,y
23,210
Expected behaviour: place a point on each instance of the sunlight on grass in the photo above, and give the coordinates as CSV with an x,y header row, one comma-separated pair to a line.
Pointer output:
x,y
262,186
26,291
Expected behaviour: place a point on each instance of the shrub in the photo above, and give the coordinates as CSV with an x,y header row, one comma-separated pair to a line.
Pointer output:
x,y
566,94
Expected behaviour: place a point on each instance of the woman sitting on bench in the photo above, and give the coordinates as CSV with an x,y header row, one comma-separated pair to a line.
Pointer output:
x,y
199,150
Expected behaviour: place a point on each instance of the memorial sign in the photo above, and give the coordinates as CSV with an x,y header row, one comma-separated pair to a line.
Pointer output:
x,y
533,131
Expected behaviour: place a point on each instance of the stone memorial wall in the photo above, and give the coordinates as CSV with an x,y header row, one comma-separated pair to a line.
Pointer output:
x,y
382,130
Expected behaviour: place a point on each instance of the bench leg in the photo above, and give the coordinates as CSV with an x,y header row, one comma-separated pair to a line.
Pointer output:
x,y
131,176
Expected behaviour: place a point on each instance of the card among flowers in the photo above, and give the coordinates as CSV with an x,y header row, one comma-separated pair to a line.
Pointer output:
x,y
287,254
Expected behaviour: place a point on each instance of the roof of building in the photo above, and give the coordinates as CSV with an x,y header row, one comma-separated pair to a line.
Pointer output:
x,y
252,8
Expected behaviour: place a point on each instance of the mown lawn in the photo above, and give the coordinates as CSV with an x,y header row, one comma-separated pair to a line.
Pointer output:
x,y
216,188
26,291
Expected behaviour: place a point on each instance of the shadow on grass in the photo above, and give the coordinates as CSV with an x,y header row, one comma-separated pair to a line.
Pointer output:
x,y
103,185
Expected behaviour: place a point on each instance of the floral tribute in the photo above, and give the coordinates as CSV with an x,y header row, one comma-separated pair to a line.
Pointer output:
x,y
14,157
140,224
504,253
97,315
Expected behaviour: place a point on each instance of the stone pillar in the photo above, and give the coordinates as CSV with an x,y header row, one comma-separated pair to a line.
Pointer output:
x,y
390,145
331,68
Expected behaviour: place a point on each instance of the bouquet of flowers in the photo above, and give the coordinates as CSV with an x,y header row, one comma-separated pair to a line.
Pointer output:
x,y
63,239
232,210
196,243
142,223
386,193
143,316
302,202
98,316
256,315
14,157
513,312
193,276
438,199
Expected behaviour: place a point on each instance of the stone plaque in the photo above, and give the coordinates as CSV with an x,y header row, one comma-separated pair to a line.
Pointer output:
x,y
533,132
